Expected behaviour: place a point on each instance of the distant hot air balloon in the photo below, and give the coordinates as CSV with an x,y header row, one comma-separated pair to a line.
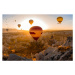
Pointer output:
x,y
6,29
15,20
31,21
59,19
19,25
35,32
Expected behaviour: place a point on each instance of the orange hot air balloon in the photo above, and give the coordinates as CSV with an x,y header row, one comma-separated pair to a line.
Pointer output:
x,y
35,32
31,22
19,25
59,19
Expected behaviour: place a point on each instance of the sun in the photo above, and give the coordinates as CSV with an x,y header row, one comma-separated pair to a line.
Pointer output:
x,y
25,25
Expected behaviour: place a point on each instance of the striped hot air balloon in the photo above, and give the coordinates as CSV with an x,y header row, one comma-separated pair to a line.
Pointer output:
x,y
59,19
35,32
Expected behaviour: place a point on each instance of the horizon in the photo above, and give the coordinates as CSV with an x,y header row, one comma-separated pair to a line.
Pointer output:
x,y
43,30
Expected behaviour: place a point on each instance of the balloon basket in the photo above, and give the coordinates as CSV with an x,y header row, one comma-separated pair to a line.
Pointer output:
x,y
58,23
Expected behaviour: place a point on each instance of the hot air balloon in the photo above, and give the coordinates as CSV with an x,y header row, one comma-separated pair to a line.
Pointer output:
x,y
15,20
6,29
31,21
19,25
35,32
59,19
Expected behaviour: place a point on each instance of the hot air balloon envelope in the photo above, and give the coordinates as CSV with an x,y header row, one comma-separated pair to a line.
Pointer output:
x,y
6,29
15,20
19,25
59,19
31,22
35,32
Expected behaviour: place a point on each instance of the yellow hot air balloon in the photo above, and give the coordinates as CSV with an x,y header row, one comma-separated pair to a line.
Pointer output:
x,y
59,19
31,21
35,32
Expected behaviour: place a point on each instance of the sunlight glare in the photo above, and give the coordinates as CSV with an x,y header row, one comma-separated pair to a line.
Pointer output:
x,y
25,25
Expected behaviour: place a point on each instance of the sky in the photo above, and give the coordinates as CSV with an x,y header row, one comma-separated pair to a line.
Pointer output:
x,y
46,21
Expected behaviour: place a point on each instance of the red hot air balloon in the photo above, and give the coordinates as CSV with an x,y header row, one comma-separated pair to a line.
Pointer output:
x,y
35,32
19,25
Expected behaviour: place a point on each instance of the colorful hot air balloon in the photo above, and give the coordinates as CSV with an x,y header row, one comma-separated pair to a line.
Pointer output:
x,y
19,25
31,21
59,19
35,32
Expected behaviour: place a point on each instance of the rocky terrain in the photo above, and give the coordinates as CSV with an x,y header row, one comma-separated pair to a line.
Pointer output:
x,y
51,46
